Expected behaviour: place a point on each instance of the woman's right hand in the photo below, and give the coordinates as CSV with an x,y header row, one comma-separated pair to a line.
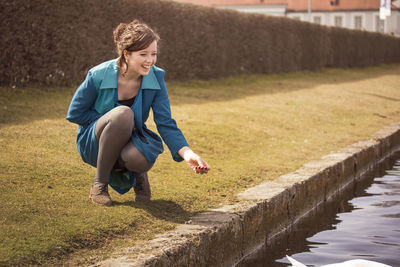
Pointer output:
x,y
195,162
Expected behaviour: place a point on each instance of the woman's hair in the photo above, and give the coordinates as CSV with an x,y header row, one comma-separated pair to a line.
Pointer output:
x,y
132,37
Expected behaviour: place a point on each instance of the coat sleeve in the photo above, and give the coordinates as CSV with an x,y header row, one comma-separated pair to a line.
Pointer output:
x,y
166,125
81,109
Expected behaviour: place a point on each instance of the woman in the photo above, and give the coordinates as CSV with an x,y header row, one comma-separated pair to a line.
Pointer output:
x,y
111,107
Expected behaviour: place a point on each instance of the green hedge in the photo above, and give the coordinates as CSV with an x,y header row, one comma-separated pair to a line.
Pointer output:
x,y
54,42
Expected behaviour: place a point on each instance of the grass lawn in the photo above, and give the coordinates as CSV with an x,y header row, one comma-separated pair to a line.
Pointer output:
x,y
249,129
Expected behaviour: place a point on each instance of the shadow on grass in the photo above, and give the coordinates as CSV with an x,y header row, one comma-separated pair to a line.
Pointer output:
x,y
383,97
231,88
22,105
162,209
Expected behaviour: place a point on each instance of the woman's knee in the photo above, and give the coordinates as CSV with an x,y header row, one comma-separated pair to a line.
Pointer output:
x,y
123,115
122,118
134,160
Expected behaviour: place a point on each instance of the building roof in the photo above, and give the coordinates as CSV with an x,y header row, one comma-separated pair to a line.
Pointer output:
x,y
233,2
325,5
296,5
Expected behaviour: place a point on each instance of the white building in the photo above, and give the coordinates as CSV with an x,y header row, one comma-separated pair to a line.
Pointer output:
x,y
351,14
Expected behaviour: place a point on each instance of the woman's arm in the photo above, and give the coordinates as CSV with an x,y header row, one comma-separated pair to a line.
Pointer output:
x,y
171,134
197,164
166,125
81,109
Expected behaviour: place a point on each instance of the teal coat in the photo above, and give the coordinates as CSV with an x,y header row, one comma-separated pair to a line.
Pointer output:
x,y
98,94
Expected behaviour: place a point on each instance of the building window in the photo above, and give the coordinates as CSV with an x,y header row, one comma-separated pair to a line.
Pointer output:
x,y
380,25
338,21
317,19
358,22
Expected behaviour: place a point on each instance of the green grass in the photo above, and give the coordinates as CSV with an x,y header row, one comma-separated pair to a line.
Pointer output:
x,y
249,129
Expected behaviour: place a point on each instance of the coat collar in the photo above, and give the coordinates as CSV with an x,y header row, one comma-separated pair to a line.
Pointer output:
x,y
110,79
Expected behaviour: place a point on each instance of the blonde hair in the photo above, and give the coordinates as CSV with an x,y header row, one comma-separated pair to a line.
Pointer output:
x,y
132,37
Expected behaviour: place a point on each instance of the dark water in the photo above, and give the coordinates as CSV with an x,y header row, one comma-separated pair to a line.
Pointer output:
x,y
361,223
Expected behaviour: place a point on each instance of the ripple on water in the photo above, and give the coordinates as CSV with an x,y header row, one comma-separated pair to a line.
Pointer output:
x,y
367,227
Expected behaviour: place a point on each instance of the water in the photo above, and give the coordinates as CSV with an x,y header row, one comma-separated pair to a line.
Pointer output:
x,y
362,223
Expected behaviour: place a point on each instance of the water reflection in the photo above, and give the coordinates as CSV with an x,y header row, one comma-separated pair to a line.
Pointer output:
x,y
363,222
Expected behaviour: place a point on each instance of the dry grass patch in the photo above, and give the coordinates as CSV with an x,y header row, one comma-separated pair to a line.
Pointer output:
x,y
250,129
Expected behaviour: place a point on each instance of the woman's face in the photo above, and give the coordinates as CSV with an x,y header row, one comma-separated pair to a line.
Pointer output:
x,y
140,62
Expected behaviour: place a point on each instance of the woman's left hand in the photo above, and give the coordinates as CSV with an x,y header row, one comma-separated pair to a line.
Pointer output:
x,y
197,164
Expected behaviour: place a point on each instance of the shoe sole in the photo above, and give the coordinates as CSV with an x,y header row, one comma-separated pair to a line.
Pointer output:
x,y
90,197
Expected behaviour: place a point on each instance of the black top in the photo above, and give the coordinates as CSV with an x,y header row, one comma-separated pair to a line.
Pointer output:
x,y
127,102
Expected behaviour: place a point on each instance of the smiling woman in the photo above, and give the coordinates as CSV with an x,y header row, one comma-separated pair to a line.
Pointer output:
x,y
111,108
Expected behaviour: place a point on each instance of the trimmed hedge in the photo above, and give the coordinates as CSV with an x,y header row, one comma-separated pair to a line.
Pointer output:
x,y
55,42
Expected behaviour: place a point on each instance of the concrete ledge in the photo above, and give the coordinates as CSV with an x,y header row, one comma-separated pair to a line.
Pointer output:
x,y
222,236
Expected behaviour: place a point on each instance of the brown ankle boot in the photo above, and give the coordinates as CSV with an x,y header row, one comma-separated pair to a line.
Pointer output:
x,y
142,187
99,195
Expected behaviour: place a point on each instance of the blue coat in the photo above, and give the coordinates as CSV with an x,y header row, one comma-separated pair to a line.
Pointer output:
x,y
98,94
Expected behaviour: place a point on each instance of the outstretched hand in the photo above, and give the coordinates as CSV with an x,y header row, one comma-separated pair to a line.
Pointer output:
x,y
197,164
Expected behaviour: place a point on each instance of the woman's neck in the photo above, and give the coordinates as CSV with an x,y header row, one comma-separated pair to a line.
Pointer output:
x,y
130,75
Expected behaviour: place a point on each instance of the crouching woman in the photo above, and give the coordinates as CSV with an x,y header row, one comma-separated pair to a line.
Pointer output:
x,y
111,107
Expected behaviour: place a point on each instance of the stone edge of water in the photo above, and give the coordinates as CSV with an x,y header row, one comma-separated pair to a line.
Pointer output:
x,y
222,236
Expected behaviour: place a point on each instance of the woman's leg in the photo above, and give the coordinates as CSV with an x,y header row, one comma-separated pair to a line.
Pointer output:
x,y
132,159
113,131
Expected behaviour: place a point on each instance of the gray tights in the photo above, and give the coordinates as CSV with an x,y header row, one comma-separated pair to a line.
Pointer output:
x,y
113,132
